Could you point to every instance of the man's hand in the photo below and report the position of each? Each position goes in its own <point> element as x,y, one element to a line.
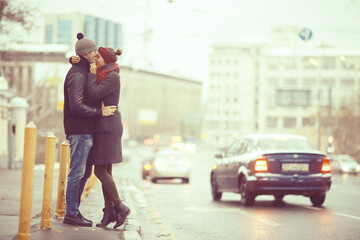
<point>93,68</point>
<point>108,110</point>
<point>75,59</point>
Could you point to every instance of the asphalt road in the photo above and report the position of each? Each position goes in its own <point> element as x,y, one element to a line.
<point>173,210</point>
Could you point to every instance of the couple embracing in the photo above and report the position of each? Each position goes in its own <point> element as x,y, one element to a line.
<point>93,127</point>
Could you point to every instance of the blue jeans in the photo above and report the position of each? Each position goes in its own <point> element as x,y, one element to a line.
<point>80,170</point>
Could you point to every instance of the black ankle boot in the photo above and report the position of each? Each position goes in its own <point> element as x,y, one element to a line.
<point>109,216</point>
<point>122,212</point>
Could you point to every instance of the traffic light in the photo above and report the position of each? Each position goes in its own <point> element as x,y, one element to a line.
<point>330,148</point>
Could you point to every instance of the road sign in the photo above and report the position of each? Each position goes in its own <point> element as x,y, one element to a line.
<point>305,34</point>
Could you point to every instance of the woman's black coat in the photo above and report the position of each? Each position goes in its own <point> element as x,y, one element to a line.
<point>107,147</point>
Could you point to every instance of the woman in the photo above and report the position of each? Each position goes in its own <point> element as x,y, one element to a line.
<point>104,85</point>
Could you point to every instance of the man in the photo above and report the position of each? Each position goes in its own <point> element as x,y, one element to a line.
<point>79,120</point>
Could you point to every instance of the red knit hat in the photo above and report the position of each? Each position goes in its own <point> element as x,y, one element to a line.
<point>106,55</point>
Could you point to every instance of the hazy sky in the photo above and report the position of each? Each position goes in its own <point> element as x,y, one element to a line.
<point>182,31</point>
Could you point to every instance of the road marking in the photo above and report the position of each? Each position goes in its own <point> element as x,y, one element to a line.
<point>232,210</point>
<point>313,208</point>
<point>347,192</point>
<point>347,215</point>
<point>336,213</point>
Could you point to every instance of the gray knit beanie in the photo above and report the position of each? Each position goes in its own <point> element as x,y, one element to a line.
<point>84,45</point>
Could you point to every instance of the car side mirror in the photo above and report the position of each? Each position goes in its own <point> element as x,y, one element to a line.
<point>219,155</point>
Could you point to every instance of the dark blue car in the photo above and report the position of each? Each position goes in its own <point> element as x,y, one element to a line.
<point>271,164</point>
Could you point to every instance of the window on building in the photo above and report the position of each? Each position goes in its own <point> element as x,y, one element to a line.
<point>273,81</point>
<point>90,28</point>
<point>310,63</point>
<point>347,62</point>
<point>20,79</point>
<point>11,77</point>
<point>64,31</point>
<point>347,82</point>
<point>4,114</point>
<point>289,64</point>
<point>289,122</point>
<point>328,62</point>
<point>293,97</point>
<point>290,81</point>
<point>308,122</point>
<point>327,82</point>
<point>309,81</point>
<point>272,65</point>
<point>49,33</point>
<point>271,122</point>
<point>29,82</point>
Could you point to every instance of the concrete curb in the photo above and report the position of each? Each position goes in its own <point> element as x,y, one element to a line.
<point>132,228</point>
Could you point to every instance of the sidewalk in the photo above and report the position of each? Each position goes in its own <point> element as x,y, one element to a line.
<point>91,208</point>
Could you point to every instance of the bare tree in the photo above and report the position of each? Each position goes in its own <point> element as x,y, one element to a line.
<point>16,16</point>
<point>346,128</point>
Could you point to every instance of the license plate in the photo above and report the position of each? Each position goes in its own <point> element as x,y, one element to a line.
<point>296,167</point>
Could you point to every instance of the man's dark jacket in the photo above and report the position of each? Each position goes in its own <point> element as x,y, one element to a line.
<point>79,112</point>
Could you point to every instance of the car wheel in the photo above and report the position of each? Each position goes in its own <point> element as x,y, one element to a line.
<point>214,189</point>
<point>154,180</point>
<point>317,199</point>
<point>185,180</point>
<point>279,198</point>
<point>247,198</point>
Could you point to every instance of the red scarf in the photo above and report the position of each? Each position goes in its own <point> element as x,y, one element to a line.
<point>104,70</point>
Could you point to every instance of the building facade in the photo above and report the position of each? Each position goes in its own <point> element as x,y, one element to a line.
<point>63,28</point>
<point>233,88</point>
<point>299,87</point>
<point>272,89</point>
<point>150,102</point>
<point>153,103</point>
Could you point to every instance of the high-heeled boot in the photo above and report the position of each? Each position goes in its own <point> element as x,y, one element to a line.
<point>122,212</point>
<point>109,216</point>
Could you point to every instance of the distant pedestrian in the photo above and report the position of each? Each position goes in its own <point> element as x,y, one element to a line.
<point>104,86</point>
<point>80,113</point>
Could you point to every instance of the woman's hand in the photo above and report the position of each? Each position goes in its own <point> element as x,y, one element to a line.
<point>108,110</point>
<point>75,59</point>
<point>93,68</point>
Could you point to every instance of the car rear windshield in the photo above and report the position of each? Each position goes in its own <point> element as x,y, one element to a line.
<point>284,143</point>
<point>170,156</point>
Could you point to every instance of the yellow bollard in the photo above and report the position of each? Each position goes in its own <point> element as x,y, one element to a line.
<point>27,182</point>
<point>48,181</point>
<point>60,203</point>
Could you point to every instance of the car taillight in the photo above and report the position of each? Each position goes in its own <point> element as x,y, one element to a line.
<point>325,168</point>
<point>261,165</point>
